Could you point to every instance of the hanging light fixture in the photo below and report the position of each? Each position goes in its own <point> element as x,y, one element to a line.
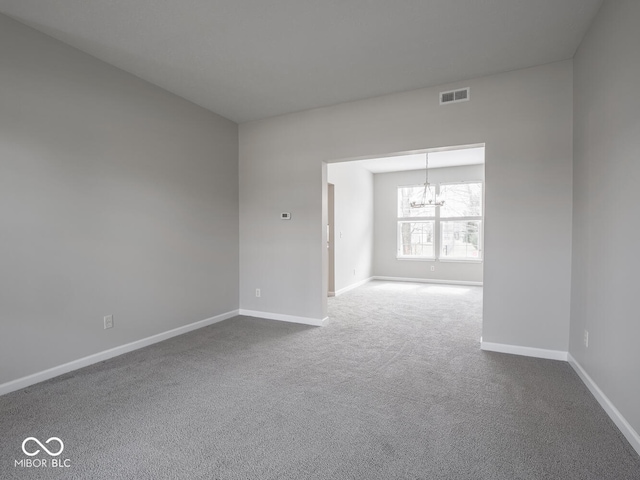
<point>429,198</point>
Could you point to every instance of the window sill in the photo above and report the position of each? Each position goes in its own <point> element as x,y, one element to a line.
<point>442,260</point>
<point>416,259</point>
<point>459,260</point>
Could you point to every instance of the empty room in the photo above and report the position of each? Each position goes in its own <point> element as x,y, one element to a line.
<point>319,240</point>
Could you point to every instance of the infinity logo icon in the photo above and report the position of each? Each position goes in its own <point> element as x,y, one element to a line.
<point>31,454</point>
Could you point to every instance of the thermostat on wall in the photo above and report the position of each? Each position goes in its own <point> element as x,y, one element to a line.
<point>285,216</point>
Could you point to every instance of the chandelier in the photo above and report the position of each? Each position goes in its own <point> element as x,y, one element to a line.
<point>429,198</point>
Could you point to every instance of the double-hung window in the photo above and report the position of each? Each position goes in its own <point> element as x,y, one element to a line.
<point>461,221</point>
<point>450,232</point>
<point>416,226</point>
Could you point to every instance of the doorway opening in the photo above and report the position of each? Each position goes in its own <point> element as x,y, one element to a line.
<point>381,228</point>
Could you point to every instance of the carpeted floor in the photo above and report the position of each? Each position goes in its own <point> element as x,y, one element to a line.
<point>393,387</point>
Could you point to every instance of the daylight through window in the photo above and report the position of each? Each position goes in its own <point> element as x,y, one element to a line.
<point>450,232</point>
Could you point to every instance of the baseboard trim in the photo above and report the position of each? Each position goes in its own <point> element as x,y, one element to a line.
<point>524,351</point>
<point>625,427</point>
<point>426,280</point>
<point>315,322</point>
<point>331,294</point>
<point>34,378</point>
<point>352,286</point>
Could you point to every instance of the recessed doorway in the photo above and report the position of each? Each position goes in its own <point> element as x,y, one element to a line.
<point>385,225</point>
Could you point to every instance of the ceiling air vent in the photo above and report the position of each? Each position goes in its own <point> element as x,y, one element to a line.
<point>454,96</point>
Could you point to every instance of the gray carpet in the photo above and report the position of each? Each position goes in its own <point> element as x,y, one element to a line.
<point>393,387</point>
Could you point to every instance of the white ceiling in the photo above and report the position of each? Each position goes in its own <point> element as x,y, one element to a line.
<point>438,159</point>
<point>251,59</point>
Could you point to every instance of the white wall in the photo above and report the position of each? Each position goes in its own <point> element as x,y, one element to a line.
<point>116,197</point>
<point>354,218</point>
<point>386,263</point>
<point>606,231</point>
<point>525,119</point>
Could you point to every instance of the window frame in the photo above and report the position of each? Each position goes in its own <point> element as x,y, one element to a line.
<point>399,254</point>
<point>477,259</point>
<point>437,220</point>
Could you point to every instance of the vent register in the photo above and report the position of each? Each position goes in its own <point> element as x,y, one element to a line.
<point>454,96</point>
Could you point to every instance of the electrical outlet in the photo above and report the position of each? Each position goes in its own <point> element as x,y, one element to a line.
<point>108,321</point>
<point>433,268</point>
<point>586,338</point>
<point>257,292</point>
<point>354,271</point>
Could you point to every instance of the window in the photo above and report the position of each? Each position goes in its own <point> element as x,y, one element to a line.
<point>460,239</point>
<point>450,232</point>
<point>416,238</point>
<point>461,221</point>
<point>461,200</point>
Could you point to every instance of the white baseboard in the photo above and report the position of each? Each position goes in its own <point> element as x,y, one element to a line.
<point>623,425</point>
<point>627,430</point>
<point>426,280</point>
<point>316,322</point>
<point>29,380</point>
<point>524,351</point>
<point>352,286</point>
